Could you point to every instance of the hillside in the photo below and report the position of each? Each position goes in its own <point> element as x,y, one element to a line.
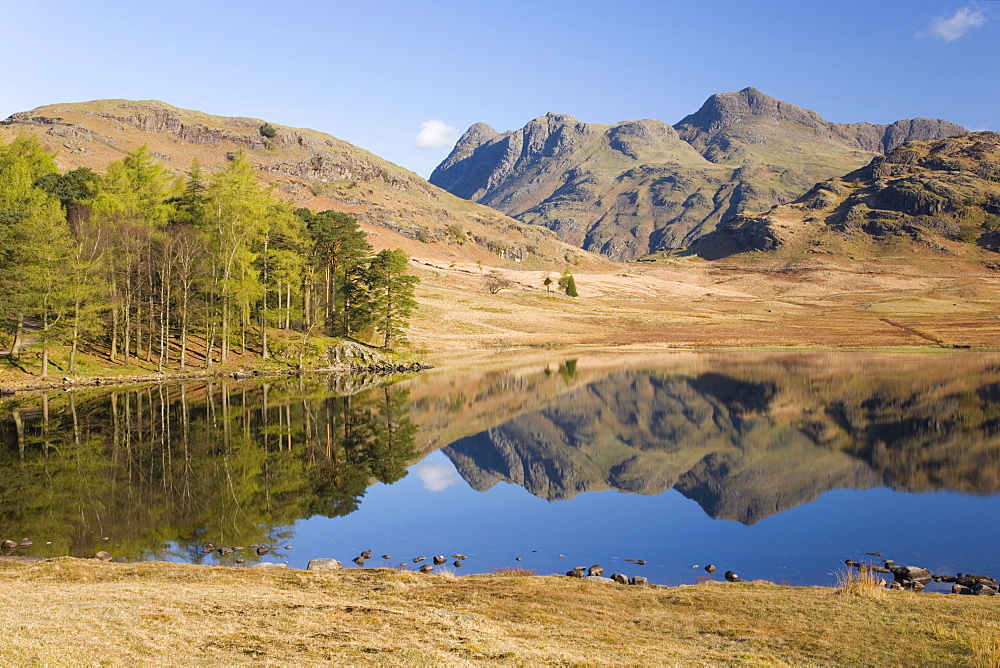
<point>934,199</point>
<point>396,207</point>
<point>627,189</point>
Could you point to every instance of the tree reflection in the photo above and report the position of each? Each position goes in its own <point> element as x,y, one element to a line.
<point>159,471</point>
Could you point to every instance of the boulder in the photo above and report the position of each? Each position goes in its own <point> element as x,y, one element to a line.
<point>25,543</point>
<point>323,564</point>
<point>8,544</point>
<point>710,568</point>
<point>639,580</point>
<point>426,568</point>
<point>596,570</point>
<point>269,564</point>
<point>598,578</point>
<point>103,556</point>
<point>575,573</point>
<point>983,589</point>
<point>732,577</point>
<point>960,589</point>
<point>620,578</point>
<point>439,560</point>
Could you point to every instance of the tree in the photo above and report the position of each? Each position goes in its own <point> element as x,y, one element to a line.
<point>35,244</point>
<point>494,282</point>
<point>237,209</point>
<point>567,283</point>
<point>547,283</point>
<point>391,295</point>
<point>339,246</point>
<point>268,131</point>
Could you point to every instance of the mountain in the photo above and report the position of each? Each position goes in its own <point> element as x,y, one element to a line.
<point>396,207</point>
<point>634,187</point>
<point>931,197</point>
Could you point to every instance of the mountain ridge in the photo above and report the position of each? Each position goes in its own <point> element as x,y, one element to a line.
<point>634,187</point>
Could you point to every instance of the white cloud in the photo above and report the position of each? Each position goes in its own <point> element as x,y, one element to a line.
<point>436,477</point>
<point>435,134</point>
<point>950,29</point>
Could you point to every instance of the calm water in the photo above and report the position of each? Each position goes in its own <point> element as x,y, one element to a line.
<point>774,466</point>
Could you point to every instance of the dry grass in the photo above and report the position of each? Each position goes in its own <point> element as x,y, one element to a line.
<point>77,611</point>
<point>861,585</point>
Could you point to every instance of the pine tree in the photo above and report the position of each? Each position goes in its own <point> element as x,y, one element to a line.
<point>567,283</point>
<point>391,294</point>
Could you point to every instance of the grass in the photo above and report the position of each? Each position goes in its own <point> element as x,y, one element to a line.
<point>79,611</point>
<point>861,585</point>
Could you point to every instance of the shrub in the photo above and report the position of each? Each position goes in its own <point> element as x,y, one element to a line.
<point>268,130</point>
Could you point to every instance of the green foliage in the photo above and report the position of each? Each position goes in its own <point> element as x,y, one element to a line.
<point>390,295</point>
<point>73,187</point>
<point>268,131</point>
<point>138,261</point>
<point>567,283</point>
<point>992,223</point>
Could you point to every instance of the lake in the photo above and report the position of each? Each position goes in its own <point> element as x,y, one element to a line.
<point>777,466</point>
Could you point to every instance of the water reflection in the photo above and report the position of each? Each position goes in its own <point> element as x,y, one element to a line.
<point>752,437</point>
<point>159,471</point>
<point>816,457</point>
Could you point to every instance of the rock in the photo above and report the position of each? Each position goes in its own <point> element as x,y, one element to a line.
<point>359,561</point>
<point>595,571</point>
<point>732,577</point>
<point>387,557</point>
<point>457,563</point>
<point>367,554</point>
<point>639,562</point>
<point>417,560</point>
<point>208,548</point>
<point>426,568</point>
<point>25,543</point>
<point>575,573</point>
<point>241,375</point>
<point>323,564</point>
<point>959,589</point>
<point>103,556</point>
<point>438,560</point>
<point>710,568</point>
<point>8,544</point>
<point>851,563</point>
<point>983,589</point>
<point>225,550</point>
<point>599,578</point>
<point>269,564</point>
<point>262,550</point>
<point>895,586</point>
<point>943,578</point>
<point>914,573</point>
<point>7,391</point>
<point>639,580</point>
<point>620,578</point>
<point>459,556</point>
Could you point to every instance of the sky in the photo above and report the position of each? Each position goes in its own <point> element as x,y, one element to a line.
<point>404,79</point>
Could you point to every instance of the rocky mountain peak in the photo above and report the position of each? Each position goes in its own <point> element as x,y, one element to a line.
<point>723,110</point>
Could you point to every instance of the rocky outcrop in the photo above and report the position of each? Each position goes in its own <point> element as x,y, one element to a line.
<point>631,188</point>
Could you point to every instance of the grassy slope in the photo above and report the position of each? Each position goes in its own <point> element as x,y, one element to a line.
<point>85,612</point>
<point>396,207</point>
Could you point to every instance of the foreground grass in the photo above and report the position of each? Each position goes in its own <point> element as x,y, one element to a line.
<point>79,611</point>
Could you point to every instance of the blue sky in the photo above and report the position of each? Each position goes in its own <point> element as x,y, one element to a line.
<point>373,73</point>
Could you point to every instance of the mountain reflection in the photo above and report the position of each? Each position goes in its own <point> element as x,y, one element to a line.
<point>748,438</point>
<point>159,471</point>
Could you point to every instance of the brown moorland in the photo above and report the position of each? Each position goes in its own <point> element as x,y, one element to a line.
<point>81,611</point>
